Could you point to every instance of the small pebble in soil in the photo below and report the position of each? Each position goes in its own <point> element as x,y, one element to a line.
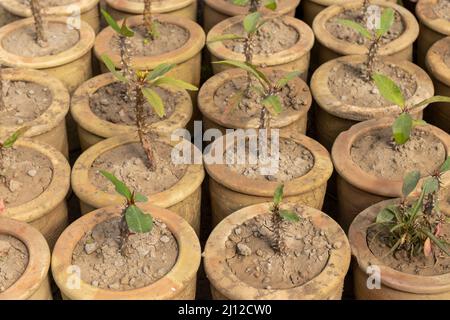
<point>243,249</point>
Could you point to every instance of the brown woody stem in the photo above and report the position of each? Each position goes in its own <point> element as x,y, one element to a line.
<point>369,65</point>
<point>39,23</point>
<point>140,124</point>
<point>148,18</point>
<point>254,5</point>
<point>125,64</point>
<point>279,242</point>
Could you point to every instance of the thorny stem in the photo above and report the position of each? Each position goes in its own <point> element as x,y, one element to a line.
<point>125,64</point>
<point>148,18</point>
<point>140,124</point>
<point>124,232</point>
<point>279,241</point>
<point>248,52</point>
<point>39,24</point>
<point>254,5</point>
<point>369,65</point>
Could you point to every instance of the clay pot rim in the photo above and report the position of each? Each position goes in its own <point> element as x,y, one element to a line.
<point>435,62</point>
<point>135,7</point>
<point>89,121</point>
<point>220,275</point>
<point>206,102</point>
<point>344,48</point>
<point>91,195</point>
<point>193,45</point>
<point>38,259</point>
<point>317,176</point>
<point>439,25</point>
<point>56,191</point>
<point>298,50</point>
<point>184,270</point>
<point>353,174</point>
<point>331,104</point>
<point>82,47</point>
<point>230,9</point>
<point>390,277</point>
<point>56,111</point>
<point>20,9</point>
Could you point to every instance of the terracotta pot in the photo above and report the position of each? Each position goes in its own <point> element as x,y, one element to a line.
<point>50,127</point>
<point>187,57</point>
<point>47,212</point>
<point>34,283</point>
<point>230,191</point>
<point>182,198</point>
<point>439,113</point>
<point>5,16</point>
<point>178,284</point>
<point>294,58</point>
<point>86,9</point>
<point>225,285</point>
<point>120,9</point>
<point>292,122</point>
<point>432,28</point>
<point>93,129</point>
<point>357,189</point>
<point>330,47</point>
<point>216,11</point>
<point>334,116</point>
<point>72,66</point>
<point>395,285</point>
<point>311,8</point>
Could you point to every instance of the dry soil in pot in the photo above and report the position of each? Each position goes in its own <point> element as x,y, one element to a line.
<point>13,260</point>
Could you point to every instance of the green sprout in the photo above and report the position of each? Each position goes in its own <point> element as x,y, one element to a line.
<point>133,219</point>
<point>11,140</point>
<point>404,123</point>
<point>386,20</point>
<point>279,219</point>
<point>416,223</point>
<point>256,4</point>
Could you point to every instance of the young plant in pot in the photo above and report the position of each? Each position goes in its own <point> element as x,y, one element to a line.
<point>405,239</point>
<point>404,144</point>
<point>103,106</point>
<point>255,253</point>
<point>255,5</point>
<point>128,252</point>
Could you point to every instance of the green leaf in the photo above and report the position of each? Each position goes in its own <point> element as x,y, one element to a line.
<point>288,77</point>
<point>278,195</point>
<point>138,221</point>
<point>357,27</point>
<point>112,68</point>
<point>273,104</point>
<point>401,129</point>
<point>155,101</point>
<point>159,71</point>
<point>430,185</point>
<point>410,182</point>
<point>289,216</point>
<point>445,166</point>
<point>9,142</point>
<point>432,100</point>
<point>251,22</point>
<point>125,31</point>
<point>271,4</point>
<point>140,197</point>
<point>436,241</point>
<point>120,186</point>
<point>389,90</point>
<point>419,122</point>
<point>228,36</point>
<point>247,67</point>
<point>111,22</point>
<point>176,83</point>
<point>386,21</point>
<point>385,216</point>
<point>241,2</point>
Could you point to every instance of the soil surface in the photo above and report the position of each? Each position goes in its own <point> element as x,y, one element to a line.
<point>50,3</point>
<point>171,37</point>
<point>441,9</point>
<point>251,257</point>
<point>435,264</point>
<point>111,103</point>
<point>347,84</point>
<point>129,164</point>
<point>274,36</point>
<point>294,161</point>
<point>24,175</point>
<point>376,153</point>
<point>13,260</point>
<point>24,102</point>
<point>146,257</point>
<point>347,34</point>
<point>234,101</point>
<point>22,42</point>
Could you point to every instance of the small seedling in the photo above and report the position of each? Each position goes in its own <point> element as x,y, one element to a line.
<point>374,37</point>
<point>266,89</point>
<point>133,219</point>
<point>256,4</point>
<point>414,225</point>
<point>404,123</point>
<point>39,23</point>
<point>11,140</point>
<point>279,219</point>
<point>150,24</point>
